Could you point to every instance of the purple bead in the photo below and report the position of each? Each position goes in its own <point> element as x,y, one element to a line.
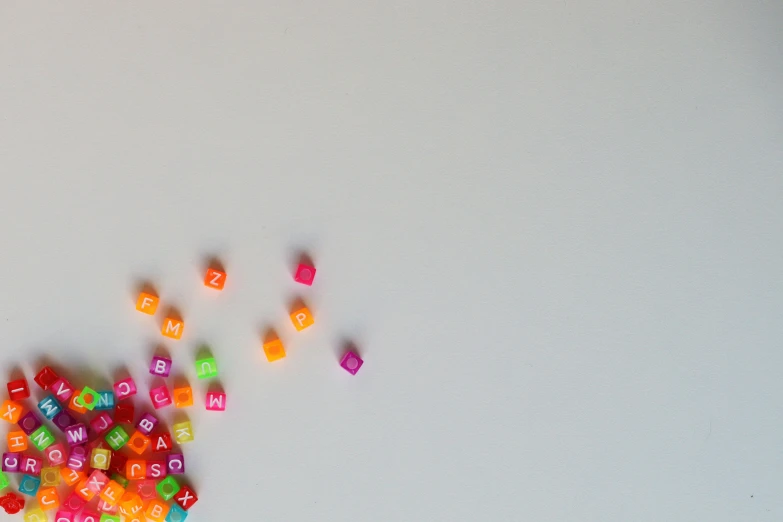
<point>146,424</point>
<point>351,362</point>
<point>175,462</point>
<point>11,462</point>
<point>63,420</point>
<point>160,366</point>
<point>78,459</point>
<point>29,422</point>
<point>76,434</point>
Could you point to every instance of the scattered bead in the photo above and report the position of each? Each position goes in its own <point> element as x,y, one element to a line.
<point>186,498</point>
<point>76,434</point>
<point>112,493</point>
<point>49,407</point>
<point>124,413</point>
<point>147,303</point>
<point>50,477</point>
<point>17,441</point>
<point>160,397</point>
<point>106,400</point>
<point>160,366</point>
<point>55,454</point>
<point>206,367</point>
<point>157,510</point>
<point>100,459</point>
<point>302,318</point>
<point>75,404</point>
<point>29,422</point>
<point>305,274</point>
<point>46,377</point>
<point>124,388</point>
<point>157,469</point>
<point>167,488</point>
<point>18,390</point>
<point>183,397</point>
<point>30,465</point>
<point>215,279</point>
<point>147,423</point>
<point>101,423</point>
<point>183,432</point>
<point>90,398</point>
<point>71,477</point>
<point>351,362</point>
<point>216,401</point>
<point>29,485</point>
<point>63,420</point>
<point>62,390</point>
<point>117,438</point>
<point>161,442</point>
<point>11,411</point>
<point>173,328</point>
<point>274,350</point>
<point>48,498</point>
<point>175,464</point>
<point>136,469</point>
<point>11,462</point>
<point>138,443</point>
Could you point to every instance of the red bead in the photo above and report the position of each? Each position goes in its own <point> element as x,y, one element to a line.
<point>124,412</point>
<point>46,377</point>
<point>186,498</point>
<point>118,462</point>
<point>18,390</point>
<point>305,274</point>
<point>161,442</point>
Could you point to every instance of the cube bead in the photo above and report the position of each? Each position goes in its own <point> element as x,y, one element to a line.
<point>49,407</point>
<point>138,443</point>
<point>302,318</point>
<point>48,498</point>
<point>35,515</point>
<point>160,397</point>
<point>167,488</point>
<point>172,328</point>
<point>136,469</point>
<point>119,479</point>
<point>90,398</point>
<point>108,517</point>
<point>75,404</point>
<point>216,401</point>
<point>305,274</point>
<point>106,400</point>
<point>73,502</point>
<point>71,477</point>
<point>97,481</point>
<point>46,377</point>
<point>28,485</point>
<point>100,459</point>
<point>76,434</point>
<point>146,489</point>
<point>118,462</point>
<point>125,388</point>
<point>62,390</point>
<point>157,510</point>
<point>17,441</point>
<point>147,423</point>
<point>215,279</point>
<point>50,477</point>
<point>131,504</point>
<point>177,514</point>
<point>30,465</point>
<point>175,462</point>
<point>186,498</point>
<point>351,362</point>
<point>55,454</point>
<point>117,438</point>
<point>183,397</point>
<point>157,469</point>
<point>206,368</point>
<point>161,442</point>
<point>29,422</point>
<point>11,462</point>
<point>11,411</point>
<point>18,390</point>
<point>102,423</point>
<point>65,515</point>
<point>274,350</point>
<point>183,432</point>
<point>112,493</point>
<point>63,420</point>
<point>84,491</point>
<point>147,303</point>
<point>77,460</point>
<point>160,366</point>
<point>124,413</point>
<point>4,482</point>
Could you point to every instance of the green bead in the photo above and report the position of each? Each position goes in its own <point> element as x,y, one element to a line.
<point>167,488</point>
<point>117,438</point>
<point>4,483</point>
<point>42,438</point>
<point>206,367</point>
<point>105,517</point>
<point>119,479</point>
<point>90,398</point>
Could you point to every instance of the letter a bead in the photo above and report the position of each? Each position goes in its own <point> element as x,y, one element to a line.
<point>147,303</point>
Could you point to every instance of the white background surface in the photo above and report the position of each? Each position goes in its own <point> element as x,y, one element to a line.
<point>552,228</point>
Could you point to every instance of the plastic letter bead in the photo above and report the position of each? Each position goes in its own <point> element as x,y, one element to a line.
<point>274,350</point>
<point>35,515</point>
<point>89,398</point>
<point>102,423</point>
<point>147,303</point>
<point>124,413</point>
<point>177,514</point>
<point>138,443</point>
<point>160,366</point>
<point>77,460</point>
<point>157,469</point>
<point>65,515</point>
<point>124,388</point>
<point>112,493</point>
<point>118,461</point>
<point>131,504</point>
<point>146,424</point>
<point>183,432</point>
<point>55,455</point>
<point>172,328</point>
<point>161,442</point>
<point>62,390</point>
<point>206,368</point>
<point>90,516</point>
<point>106,517</point>
<point>29,423</point>
<point>100,459</point>
<point>50,477</point>
<point>216,401</point>
<point>302,318</point>
<point>74,502</point>
<point>175,462</point>
<point>146,489</point>
<point>42,438</point>
<point>157,510</point>
<point>46,377</point>
<point>167,488</point>
<point>351,362</point>
<point>183,397</point>
<point>215,279</point>
<point>18,389</point>
<point>106,401</point>
<point>76,434</point>
<point>97,481</point>
<point>75,404</point>
<point>136,469</point>
<point>48,498</point>
<point>304,274</point>
<point>71,477</point>
<point>11,462</point>
<point>29,485</point>
<point>17,441</point>
<point>63,420</point>
<point>117,438</point>
<point>12,411</point>
<point>84,491</point>
<point>4,482</point>
<point>160,397</point>
<point>186,498</point>
<point>31,465</point>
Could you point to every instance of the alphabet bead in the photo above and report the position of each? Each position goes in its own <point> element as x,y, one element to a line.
<point>100,459</point>
<point>29,485</point>
<point>112,493</point>
<point>146,424</point>
<point>124,388</point>
<point>48,498</point>
<point>146,489</point>
<point>84,491</point>
<point>97,481</point>
<point>302,318</point>
<point>186,498</point>
<point>50,477</point>
<point>71,477</point>
<point>183,397</point>
<point>29,422</point>
<point>305,274</point>
<point>351,362</point>
<point>119,479</point>
<point>160,397</point>
<point>30,465</point>
<point>274,350</point>
<point>136,469</point>
<point>90,398</point>
<point>62,390</point>
<point>49,407</point>
<point>18,390</point>
<point>167,488</point>
<point>63,420</point>
<point>161,442</point>
<point>76,435</point>
<point>206,367</point>
<point>175,462</point>
<point>90,516</point>
<point>106,400</point>
<point>11,411</point>
<point>75,404</point>
<point>77,460</point>
<point>147,303</point>
<point>4,482</point>
<point>215,279</point>
<point>46,377</point>
<point>117,438</point>
<point>11,462</point>
<point>35,515</point>
<point>55,454</point>
<point>124,413</point>
<point>157,510</point>
<point>17,441</point>
<point>173,328</point>
<point>216,401</point>
<point>160,366</point>
<point>101,423</point>
<point>138,443</point>
<point>74,503</point>
<point>118,463</point>
<point>177,514</point>
<point>183,432</point>
<point>157,469</point>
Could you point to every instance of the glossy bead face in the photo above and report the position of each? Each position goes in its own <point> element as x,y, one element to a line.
<point>28,485</point>
<point>175,463</point>
<point>56,455</point>
<point>215,279</point>
<point>29,422</point>
<point>183,432</point>
<point>62,390</point>
<point>351,362</point>
<point>302,318</point>
<point>183,397</point>
<point>18,390</point>
<point>97,481</point>
<point>216,401</point>
<point>186,498</point>
<point>124,413</point>
<point>76,435</point>
<point>274,350</point>
<point>206,368</point>
<point>46,377</point>
<point>124,388</point>
<point>160,397</point>
<point>30,465</point>
<point>105,400</point>
<point>50,477</point>
<point>160,366</point>
<point>161,442</point>
<point>177,514</point>
<point>89,398</point>
<point>117,438</point>
<point>102,423</point>
<point>147,423</point>
<point>48,498</point>
<point>49,407</point>
<point>157,510</point>
<point>136,469</point>
<point>11,411</point>
<point>167,488</point>
<point>305,274</point>
<point>63,420</point>
<point>11,462</point>
<point>172,328</point>
<point>100,459</point>
<point>17,441</point>
<point>147,303</point>
<point>138,443</point>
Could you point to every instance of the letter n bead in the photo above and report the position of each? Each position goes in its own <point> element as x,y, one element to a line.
<point>18,390</point>
<point>42,438</point>
<point>216,401</point>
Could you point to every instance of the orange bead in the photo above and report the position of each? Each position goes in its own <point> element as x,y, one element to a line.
<point>215,279</point>
<point>138,443</point>
<point>157,510</point>
<point>183,397</point>
<point>172,328</point>
<point>302,318</point>
<point>83,491</point>
<point>48,498</point>
<point>112,493</point>
<point>17,441</point>
<point>11,411</point>
<point>71,477</point>
<point>147,303</point>
<point>76,403</point>
<point>131,504</point>
<point>274,350</point>
<point>136,469</point>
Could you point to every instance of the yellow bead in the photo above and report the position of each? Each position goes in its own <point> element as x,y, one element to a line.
<point>183,432</point>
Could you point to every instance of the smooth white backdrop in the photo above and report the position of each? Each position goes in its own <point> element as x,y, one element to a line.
<point>552,228</point>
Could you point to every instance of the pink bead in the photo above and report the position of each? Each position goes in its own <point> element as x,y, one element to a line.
<point>76,434</point>
<point>64,516</point>
<point>56,454</point>
<point>77,459</point>
<point>160,366</point>
<point>304,274</point>
<point>30,465</point>
<point>97,481</point>
<point>74,502</point>
<point>107,508</point>
<point>216,401</point>
<point>351,362</point>
<point>160,397</point>
<point>102,423</point>
<point>62,390</point>
<point>11,462</point>
<point>146,489</point>
<point>124,388</point>
<point>146,424</point>
<point>157,469</point>
<point>88,515</point>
